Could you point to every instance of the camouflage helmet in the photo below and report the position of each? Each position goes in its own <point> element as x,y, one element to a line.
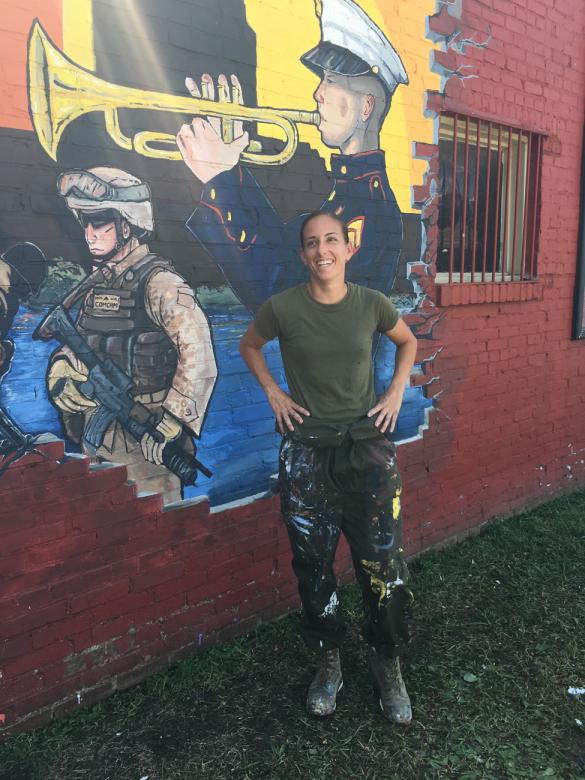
<point>99,189</point>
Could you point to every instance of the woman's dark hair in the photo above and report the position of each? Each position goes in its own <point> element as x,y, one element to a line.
<point>320,213</point>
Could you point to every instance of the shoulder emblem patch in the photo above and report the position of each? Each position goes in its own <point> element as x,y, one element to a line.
<point>355,228</point>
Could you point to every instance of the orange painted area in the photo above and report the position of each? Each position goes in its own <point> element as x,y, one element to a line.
<point>15,22</point>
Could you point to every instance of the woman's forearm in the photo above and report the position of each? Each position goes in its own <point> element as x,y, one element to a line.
<point>286,411</point>
<point>254,359</point>
<point>403,362</point>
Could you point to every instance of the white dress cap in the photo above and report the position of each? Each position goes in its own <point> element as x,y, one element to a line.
<point>345,25</point>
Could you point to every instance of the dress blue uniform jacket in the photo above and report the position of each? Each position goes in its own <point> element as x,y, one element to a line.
<point>258,252</point>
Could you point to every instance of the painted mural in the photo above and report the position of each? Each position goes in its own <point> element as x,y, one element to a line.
<point>157,161</point>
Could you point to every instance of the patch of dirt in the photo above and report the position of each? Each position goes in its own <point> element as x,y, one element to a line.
<point>19,774</point>
<point>573,746</point>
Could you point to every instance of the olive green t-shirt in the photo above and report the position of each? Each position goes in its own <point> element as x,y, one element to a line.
<point>327,348</point>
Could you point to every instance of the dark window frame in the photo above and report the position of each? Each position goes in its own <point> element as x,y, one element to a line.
<point>500,241</point>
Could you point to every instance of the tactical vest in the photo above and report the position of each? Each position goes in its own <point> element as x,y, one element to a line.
<point>114,322</point>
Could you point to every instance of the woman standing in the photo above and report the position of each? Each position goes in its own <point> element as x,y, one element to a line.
<point>337,466</point>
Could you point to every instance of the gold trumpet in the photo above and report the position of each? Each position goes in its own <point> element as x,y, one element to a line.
<point>60,91</point>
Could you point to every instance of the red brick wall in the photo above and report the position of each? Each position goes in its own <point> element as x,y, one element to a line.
<point>508,432</point>
<point>101,588</point>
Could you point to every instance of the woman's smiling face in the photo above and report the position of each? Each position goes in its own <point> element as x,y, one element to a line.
<point>325,250</point>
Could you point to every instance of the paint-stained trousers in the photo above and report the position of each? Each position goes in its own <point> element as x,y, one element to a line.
<point>352,488</point>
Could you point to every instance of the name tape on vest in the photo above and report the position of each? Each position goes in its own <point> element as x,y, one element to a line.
<point>105,302</point>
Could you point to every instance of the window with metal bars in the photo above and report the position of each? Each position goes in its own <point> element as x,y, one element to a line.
<point>488,211</point>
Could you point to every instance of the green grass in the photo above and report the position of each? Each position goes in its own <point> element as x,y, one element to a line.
<point>499,637</point>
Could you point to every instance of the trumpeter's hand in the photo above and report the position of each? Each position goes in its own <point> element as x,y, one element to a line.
<point>205,148</point>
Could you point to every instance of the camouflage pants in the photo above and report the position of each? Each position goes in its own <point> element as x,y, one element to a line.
<point>149,477</point>
<point>120,447</point>
<point>352,488</point>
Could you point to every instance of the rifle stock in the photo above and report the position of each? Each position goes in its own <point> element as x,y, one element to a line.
<point>14,443</point>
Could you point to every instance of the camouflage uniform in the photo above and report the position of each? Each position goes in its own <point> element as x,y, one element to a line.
<point>169,302</point>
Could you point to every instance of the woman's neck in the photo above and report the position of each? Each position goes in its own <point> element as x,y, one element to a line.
<point>332,292</point>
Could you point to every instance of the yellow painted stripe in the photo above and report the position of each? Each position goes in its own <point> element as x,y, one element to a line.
<point>78,32</point>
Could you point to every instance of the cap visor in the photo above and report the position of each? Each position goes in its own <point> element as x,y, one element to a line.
<point>328,56</point>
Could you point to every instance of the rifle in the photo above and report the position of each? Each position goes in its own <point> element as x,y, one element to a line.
<point>110,387</point>
<point>14,443</point>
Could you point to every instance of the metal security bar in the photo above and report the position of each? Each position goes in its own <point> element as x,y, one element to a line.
<point>488,211</point>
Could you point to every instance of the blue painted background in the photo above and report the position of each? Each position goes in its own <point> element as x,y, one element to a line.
<point>239,443</point>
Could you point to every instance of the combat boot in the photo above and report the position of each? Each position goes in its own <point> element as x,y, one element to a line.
<point>390,688</point>
<point>325,685</point>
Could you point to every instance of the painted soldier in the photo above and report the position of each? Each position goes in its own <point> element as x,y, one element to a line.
<point>235,221</point>
<point>23,269</point>
<point>137,311</point>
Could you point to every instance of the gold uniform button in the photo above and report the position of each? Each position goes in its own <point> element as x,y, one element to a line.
<point>229,216</point>
<point>212,193</point>
<point>343,169</point>
<point>375,69</point>
<point>331,196</point>
<point>242,236</point>
<point>376,183</point>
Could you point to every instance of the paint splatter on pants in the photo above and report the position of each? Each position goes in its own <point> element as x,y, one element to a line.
<point>352,488</point>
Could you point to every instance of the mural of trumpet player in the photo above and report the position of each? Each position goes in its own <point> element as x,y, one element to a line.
<point>139,313</point>
<point>359,71</point>
<point>100,97</point>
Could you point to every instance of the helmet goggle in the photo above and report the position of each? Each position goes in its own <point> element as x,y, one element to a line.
<point>97,218</point>
<point>84,184</point>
